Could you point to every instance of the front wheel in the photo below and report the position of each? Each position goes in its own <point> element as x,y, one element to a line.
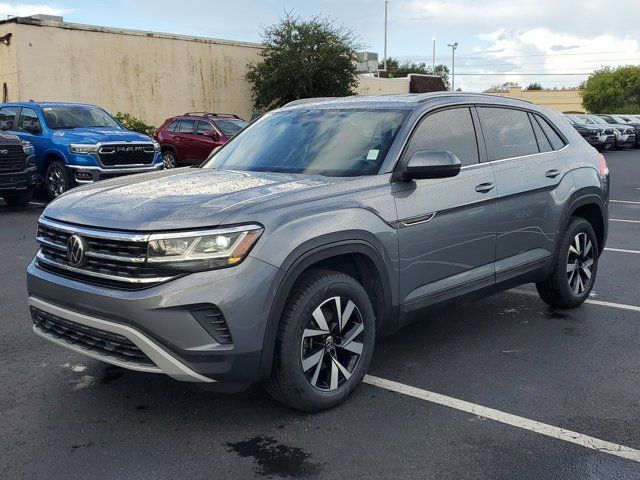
<point>575,267</point>
<point>325,342</point>
<point>169,159</point>
<point>57,179</point>
<point>19,199</point>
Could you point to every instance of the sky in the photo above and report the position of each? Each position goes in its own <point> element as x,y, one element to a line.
<point>554,42</point>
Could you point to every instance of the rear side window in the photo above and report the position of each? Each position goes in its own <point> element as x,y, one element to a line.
<point>186,126</point>
<point>450,130</point>
<point>507,133</point>
<point>543,141</point>
<point>556,141</point>
<point>28,120</point>
<point>8,117</point>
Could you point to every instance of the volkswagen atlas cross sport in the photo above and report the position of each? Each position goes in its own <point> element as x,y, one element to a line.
<point>317,228</point>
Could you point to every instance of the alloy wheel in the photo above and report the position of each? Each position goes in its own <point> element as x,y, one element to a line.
<point>580,263</point>
<point>55,181</point>
<point>332,343</point>
<point>169,160</point>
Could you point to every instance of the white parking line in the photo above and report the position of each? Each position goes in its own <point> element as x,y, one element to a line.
<point>621,250</point>
<point>623,220</point>
<point>625,201</point>
<point>507,418</point>
<point>621,306</point>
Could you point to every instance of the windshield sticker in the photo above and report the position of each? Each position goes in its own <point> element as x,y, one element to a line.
<point>373,154</point>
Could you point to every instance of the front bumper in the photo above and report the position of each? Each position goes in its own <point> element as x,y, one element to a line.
<point>160,322</point>
<point>17,182</point>
<point>89,174</point>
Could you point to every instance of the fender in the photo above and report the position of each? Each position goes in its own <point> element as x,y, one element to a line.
<point>313,251</point>
<point>586,196</point>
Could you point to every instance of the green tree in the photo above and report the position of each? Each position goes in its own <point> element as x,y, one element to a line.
<point>130,122</point>
<point>396,69</point>
<point>535,86</point>
<point>612,90</point>
<point>503,87</point>
<point>303,59</point>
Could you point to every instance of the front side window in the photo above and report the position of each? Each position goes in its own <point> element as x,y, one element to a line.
<point>507,133</point>
<point>8,117</point>
<point>230,126</point>
<point>28,120</point>
<point>450,130</point>
<point>61,117</point>
<point>205,128</point>
<point>186,126</point>
<point>335,142</point>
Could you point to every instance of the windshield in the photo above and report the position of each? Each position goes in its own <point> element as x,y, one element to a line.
<point>339,143</point>
<point>230,126</point>
<point>77,116</point>
<point>593,119</point>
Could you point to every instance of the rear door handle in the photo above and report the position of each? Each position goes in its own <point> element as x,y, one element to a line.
<point>484,187</point>
<point>552,173</point>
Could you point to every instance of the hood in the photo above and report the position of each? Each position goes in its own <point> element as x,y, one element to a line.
<point>183,198</point>
<point>97,135</point>
<point>9,139</point>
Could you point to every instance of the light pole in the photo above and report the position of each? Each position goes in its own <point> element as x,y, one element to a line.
<point>433,57</point>
<point>453,64</point>
<point>386,3</point>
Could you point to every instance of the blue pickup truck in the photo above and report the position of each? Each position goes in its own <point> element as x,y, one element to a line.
<point>77,143</point>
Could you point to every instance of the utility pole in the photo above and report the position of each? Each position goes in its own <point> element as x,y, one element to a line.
<point>453,64</point>
<point>386,3</point>
<point>433,57</point>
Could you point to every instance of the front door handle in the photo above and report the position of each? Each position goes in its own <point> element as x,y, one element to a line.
<point>484,187</point>
<point>552,173</point>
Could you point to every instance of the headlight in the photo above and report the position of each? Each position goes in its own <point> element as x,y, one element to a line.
<point>27,148</point>
<point>81,148</point>
<point>156,146</point>
<point>203,250</point>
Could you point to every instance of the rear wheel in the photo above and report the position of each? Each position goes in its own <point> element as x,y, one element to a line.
<point>57,179</point>
<point>169,159</point>
<point>325,342</point>
<point>575,267</point>
<point>19,199</point>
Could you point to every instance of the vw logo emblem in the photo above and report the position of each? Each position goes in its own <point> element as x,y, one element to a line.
<point>75,250</point>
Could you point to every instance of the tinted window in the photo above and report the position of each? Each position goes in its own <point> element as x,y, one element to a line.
<point>556,141</point>
<point>330,142</point>
<point>186,126</point>
<point>607,118</point>
<point>173,126</point>
<point>230,126</point>
<point>59,117</point>
<point>450,130</point>
<point>543,141</point>
<point>204,128</point>
<point>8,117</point>
<point>28,120</point>
<point>508,133</point>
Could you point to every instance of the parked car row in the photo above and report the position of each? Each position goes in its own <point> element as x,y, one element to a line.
<point>605,131</point>
<point>61,145</point>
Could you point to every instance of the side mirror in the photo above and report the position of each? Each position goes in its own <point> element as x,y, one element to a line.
<point>432,164</point>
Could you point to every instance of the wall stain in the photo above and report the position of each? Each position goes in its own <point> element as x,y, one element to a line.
<point>274,458</point>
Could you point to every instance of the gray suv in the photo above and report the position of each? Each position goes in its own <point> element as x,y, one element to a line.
<point>319,227</point>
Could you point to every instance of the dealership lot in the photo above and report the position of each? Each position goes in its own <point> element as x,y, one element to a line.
<point>66,416</point>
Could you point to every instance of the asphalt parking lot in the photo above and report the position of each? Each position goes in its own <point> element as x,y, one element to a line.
<point>504,388</point>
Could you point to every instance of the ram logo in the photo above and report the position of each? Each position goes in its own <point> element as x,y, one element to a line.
<point>4,151</point>
<point>130,149</point>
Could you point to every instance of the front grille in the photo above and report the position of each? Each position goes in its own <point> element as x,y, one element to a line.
<point>115,260</point>
<point>14,158</point>
<point>126,154</point>
<point>105,343</point>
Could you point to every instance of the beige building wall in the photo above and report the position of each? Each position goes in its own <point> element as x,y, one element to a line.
<point>560,100</point>
<point>152,76</point>
<point>9,79</point>
<point>368,85</point>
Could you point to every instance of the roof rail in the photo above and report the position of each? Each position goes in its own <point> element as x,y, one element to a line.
<point>209,114</point>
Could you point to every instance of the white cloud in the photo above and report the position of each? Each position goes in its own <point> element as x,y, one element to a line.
<point>26,9</point>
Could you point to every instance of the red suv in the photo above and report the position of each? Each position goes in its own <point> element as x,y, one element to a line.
<point>189,139</point>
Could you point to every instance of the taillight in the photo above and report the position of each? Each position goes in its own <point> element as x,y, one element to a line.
<point>602,166</point>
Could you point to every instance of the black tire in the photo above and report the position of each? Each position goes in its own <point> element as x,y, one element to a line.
<point>57,179</point>
<point>19,199</point>
<point>169,159</point>
<point>289,383</point>
<point>562,288</point>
